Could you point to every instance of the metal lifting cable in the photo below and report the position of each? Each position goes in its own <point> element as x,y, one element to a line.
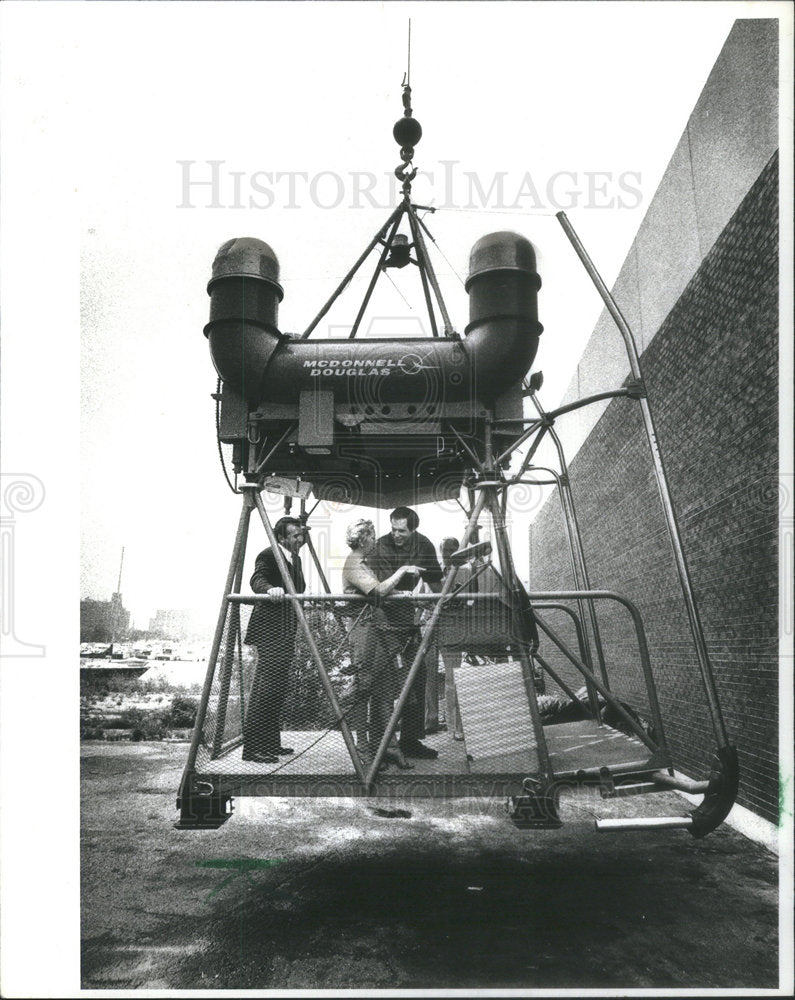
<point>408,57</point>
<point>432,238</point>
<point>411,307</point>
<point>498,211</point>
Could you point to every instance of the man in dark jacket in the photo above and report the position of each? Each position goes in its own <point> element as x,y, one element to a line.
<point>272,630</point>
<point>404,544</point>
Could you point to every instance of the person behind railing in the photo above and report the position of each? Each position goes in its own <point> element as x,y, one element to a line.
<point>404,544</point>
<point>477,617</point>
<point>272,629</point>
<point>505,624</point>
<point>374,646</point>
<point>450,657</point>
<point>450,624</point>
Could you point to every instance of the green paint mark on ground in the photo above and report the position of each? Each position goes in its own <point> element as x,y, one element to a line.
<point>784,806</point>
<point>238,866</point>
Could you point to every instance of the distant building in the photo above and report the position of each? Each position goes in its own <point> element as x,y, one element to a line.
<point>103,621</point>
<point>171,624</point>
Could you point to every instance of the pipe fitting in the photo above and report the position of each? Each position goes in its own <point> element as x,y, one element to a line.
<point>244,301</point>
<point>503,327</point>
<point>263,365</point>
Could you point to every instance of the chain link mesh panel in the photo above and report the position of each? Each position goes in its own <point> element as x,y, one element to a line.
<point>267,696</point>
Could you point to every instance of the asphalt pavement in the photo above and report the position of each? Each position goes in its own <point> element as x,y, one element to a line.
<point>431,894</point>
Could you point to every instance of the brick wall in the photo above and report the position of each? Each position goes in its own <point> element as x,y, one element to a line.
<point>711,373</point>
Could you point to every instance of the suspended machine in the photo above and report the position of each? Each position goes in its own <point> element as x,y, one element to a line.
<point>386,422</point>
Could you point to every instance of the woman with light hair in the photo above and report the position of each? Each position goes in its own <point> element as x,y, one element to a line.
<point>373,646</point>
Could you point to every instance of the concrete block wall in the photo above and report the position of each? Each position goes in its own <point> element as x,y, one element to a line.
<point>711,372</point>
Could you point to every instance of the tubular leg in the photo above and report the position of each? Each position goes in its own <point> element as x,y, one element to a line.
<point>229,654</point>
<point>420,240</point>
<point>419,246</point>
<point>696,629</point>
<point>238,551</point>
<point>347,279</point>
<point>376,273</point>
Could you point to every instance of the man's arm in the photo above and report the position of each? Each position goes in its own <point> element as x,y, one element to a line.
<point>426,557</point>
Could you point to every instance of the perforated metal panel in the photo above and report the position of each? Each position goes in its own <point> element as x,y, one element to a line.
<point>495,716</point>
<point>267,697</point>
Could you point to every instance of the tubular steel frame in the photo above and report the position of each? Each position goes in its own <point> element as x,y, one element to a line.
<point>488,488</point>
<point>696,629</point>
<point>386,237</point>
<point>205,799</point>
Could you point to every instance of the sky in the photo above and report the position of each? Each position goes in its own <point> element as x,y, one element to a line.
<point>526,109</point>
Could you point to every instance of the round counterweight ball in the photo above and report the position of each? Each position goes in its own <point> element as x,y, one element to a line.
<point>407,132</point>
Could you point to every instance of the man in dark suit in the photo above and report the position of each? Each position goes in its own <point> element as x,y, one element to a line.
<point>404,544</point>
<point>272,630</point>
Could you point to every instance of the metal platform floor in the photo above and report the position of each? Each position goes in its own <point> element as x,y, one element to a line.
<point>321,765</point>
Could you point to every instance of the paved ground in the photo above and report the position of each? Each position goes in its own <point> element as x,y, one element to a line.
<point>338,896</point>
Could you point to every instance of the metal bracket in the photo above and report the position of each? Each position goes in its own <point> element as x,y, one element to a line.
<point>537,809</point>
<point>636,388</point>
<point>608,788</point>
<point>203,807</point>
